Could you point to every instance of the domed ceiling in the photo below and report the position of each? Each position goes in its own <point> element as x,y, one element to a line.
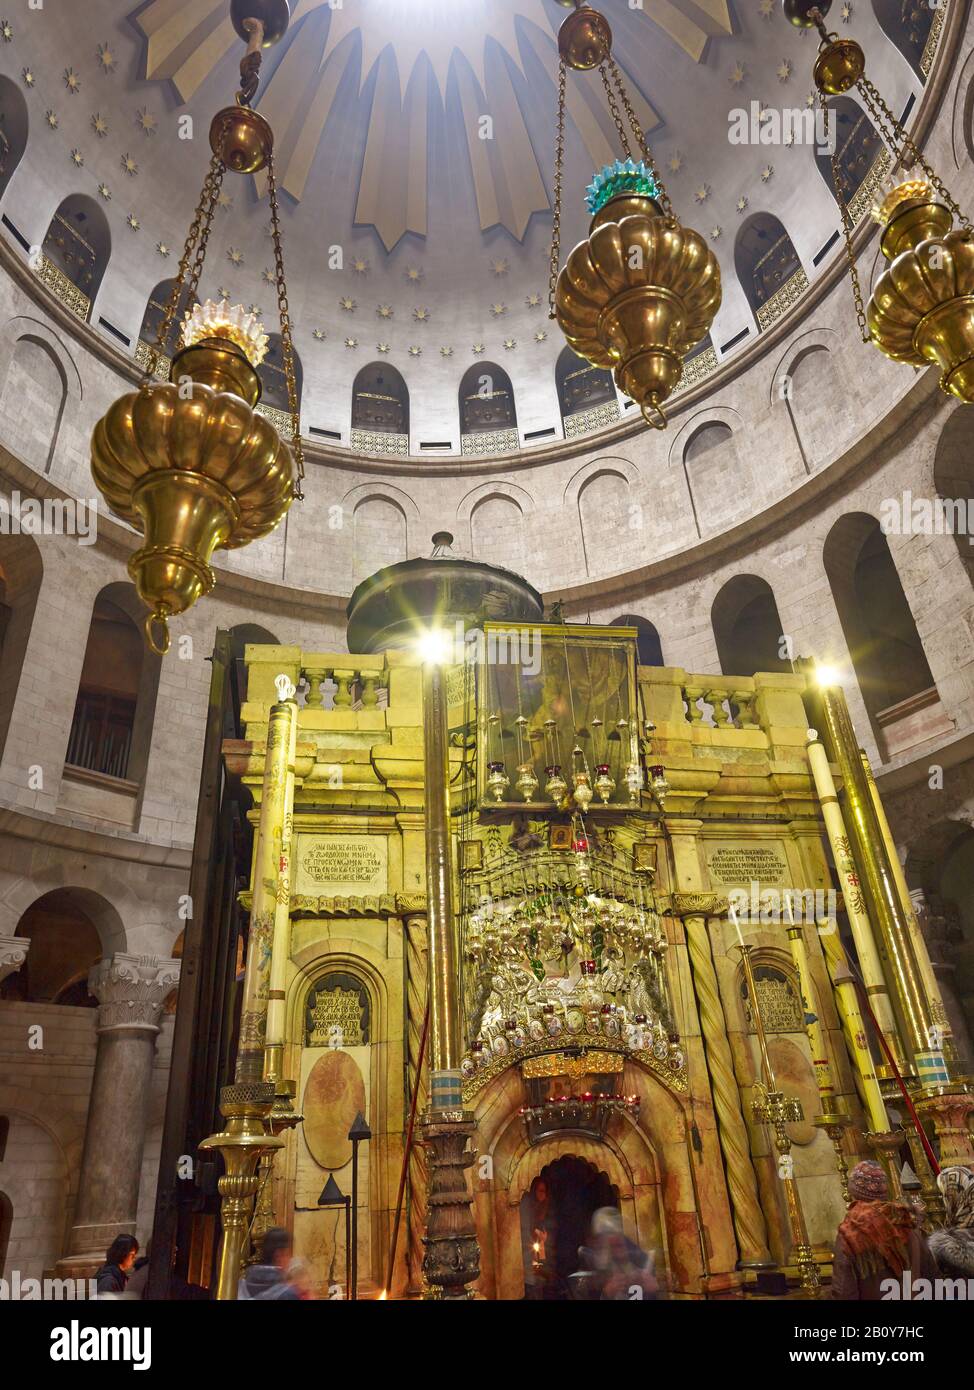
<point>415,150</point>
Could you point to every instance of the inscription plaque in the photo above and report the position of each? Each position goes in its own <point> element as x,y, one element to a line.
<point>342,865</point>
<point>740,865</point>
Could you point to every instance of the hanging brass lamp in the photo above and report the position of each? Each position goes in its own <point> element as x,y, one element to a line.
<point>190,463</point>
<point>642,290</point>
<point>922,308</point>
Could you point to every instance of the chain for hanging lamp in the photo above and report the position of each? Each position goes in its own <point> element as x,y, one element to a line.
<point>642,290</point>
<point>922,308</point>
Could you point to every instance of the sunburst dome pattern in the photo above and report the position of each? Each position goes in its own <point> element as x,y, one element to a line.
<point>404,58</point>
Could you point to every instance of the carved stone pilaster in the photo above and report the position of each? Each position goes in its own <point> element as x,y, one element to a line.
<point>13,953</point>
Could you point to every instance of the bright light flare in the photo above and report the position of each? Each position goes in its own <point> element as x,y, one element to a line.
<point>827,676</point>
<point>435,647</point>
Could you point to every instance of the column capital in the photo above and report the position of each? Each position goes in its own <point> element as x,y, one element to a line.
<point>131,989</point>
<point>13,953</point>
<point>698,904</point>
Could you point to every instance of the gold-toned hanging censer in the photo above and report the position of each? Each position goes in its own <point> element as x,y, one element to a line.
<point>189,463</point>
<point>642,290</point>
<point>922,309</point>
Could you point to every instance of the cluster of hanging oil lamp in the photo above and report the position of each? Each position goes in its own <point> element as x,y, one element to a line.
<point>922,308</point>
<point>196,470</point>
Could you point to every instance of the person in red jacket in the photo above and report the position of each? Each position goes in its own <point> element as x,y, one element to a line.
<point>878,1240</point>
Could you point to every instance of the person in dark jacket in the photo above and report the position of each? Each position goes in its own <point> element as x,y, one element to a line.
<point>114,1273</point>
<point>878,1240</point>
<point>953,1247</point>
<point>266,1282</point>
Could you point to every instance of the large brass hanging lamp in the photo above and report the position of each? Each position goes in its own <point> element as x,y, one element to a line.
<point>642,290</point>
<point>189,463</point>
<point>922,308</point>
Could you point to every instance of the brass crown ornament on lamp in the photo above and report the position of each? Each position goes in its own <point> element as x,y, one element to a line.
<point>922,308</point>
<point>642,290</point>
<point>190,463</point>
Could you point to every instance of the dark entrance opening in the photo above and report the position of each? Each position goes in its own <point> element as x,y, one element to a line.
<point>556,1219</point>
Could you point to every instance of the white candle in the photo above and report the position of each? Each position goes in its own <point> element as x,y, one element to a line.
<point>732,913</point>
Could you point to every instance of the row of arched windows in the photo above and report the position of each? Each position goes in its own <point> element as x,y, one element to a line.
<point>78,247</point>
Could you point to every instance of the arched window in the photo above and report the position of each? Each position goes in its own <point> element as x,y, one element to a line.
<point>21,572</point>
<point>706,437</point>
<point>152,320</point>
<point>13,133</point>
<point>582,389</point>
<point>273,381</point>
<point>768,267</point>
<point>747,627</point>
<point>857,147</point>
<point>649,649</point>
<point>76,252</point>
<point>112,724</point>
<point>488,418</point>
<point>908,24</point>
<point>890,663</point>
<point>380,405</point>
<point>64,945</point>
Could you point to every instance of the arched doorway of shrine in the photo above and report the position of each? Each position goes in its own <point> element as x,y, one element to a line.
<point>556,1223</point>
<point>667,1204</point>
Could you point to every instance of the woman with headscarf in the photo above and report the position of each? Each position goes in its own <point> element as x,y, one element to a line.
<point>878,1240</point>
<point>953,1247</point>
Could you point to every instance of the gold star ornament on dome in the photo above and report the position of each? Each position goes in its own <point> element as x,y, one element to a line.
<point>72,81</point>
<point>318,334</point>
<point>51,118</point>
<point>415,351</point>
<point>6,30</point>
<point>477,349</point>
<point>540,336</point>
<point>99,125</point>
<point>784,70</point>
<point>133,222</point>
<point>28,77</point>
<point>382,347</point>
<point>351,342</point>
<point>77,158</point>
<point>384,311</point>
<point>106,57</point>
<point>129,165</point>
<point>413,274</point>
<point>446,352</point>
<point>422,314</point>
<point>146,121</point>
<point>498,309</point>
<point>347,305</point>
<point>105,192</point>
<point>737,74</point>
<point>533,300</point>
<point>163,249</point>
<point>360,265</point>
<point>235,255</point>
<point>500,267</point>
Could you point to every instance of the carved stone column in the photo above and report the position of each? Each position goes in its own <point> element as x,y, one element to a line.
<point>417,988</point>
<point>13,953</point>
<point>130,991</point>
<point>749,1222</point>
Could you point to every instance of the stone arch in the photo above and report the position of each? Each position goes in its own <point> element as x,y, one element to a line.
<point>649,648</point>
<point>953,480</point>
<point>600,494</point>
<point>939,869</point>
<point>354,956</point>
<point>21,575</point>
<point>497,531</point>
<point>485,399</point>
<point>70,930</point>
<point>37,1186</point>
<point>880,631</point>
<point>380,400</point>
<point>857,146</point>
<point>908,27</point>
<point>78,244</point>
<point>747,627</point>
<point>765,259</point>
<point>111,730</point>
<point>804,379</point>
<point>14,128</point>
<point>379,535</point>
<point>35,393</point>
